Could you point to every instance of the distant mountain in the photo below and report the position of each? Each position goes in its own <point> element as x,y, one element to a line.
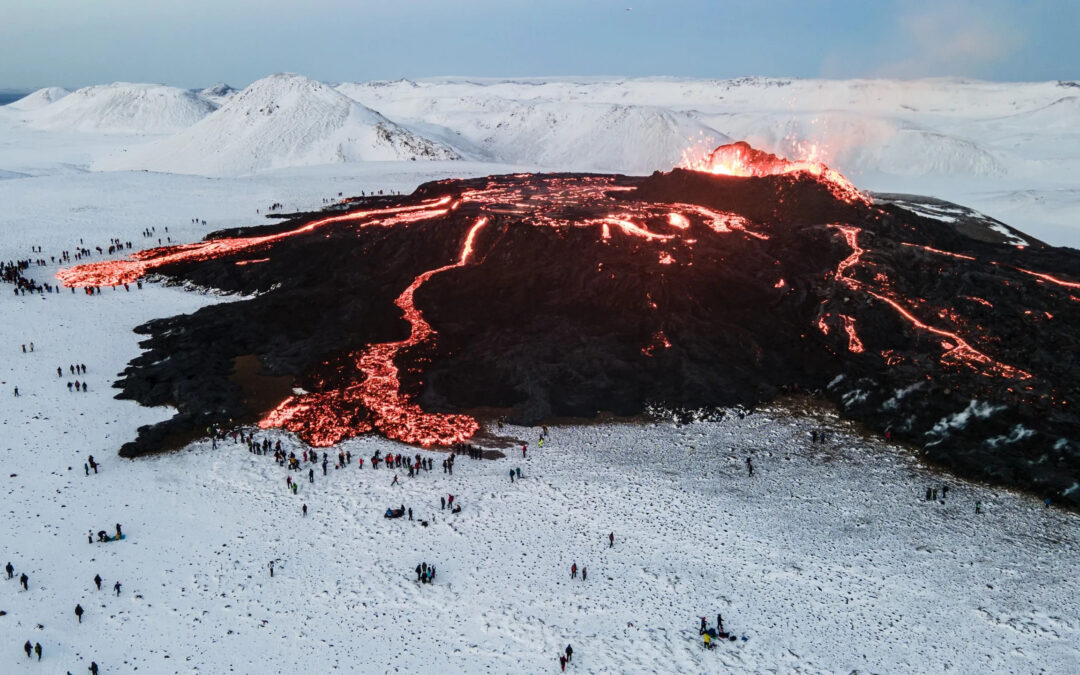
<point>217,94</point>
<point>280,121</point>
<point>576,135</point>
<point>39,99</point>
<point>123,108</point>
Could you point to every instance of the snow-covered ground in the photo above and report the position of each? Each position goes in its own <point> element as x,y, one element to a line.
<point>826,560</point>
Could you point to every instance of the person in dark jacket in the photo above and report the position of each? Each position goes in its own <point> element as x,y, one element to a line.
<point>28,648</point>
<point>97,581</point>
<point>10,570</point>
<point>23,579</point>
<point>79,612</point>
<point>569,653</point>
<point>37,650</point>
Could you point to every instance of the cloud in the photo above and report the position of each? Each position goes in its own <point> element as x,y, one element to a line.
<point>953,38</point>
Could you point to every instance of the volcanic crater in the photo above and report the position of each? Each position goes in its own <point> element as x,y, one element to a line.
<point>724,283</point>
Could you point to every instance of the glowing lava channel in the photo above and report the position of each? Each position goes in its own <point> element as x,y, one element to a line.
<point>117,272</point>
<point>395,416</point>
<point>960,351</point>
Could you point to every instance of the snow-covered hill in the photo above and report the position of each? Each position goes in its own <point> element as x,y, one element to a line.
<point>280,121</point>
<point>123,108</point>
<point>39,99</point>
<point>558,134</point>
<point>976,143</point>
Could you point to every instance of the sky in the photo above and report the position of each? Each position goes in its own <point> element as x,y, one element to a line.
<point>196,43</point>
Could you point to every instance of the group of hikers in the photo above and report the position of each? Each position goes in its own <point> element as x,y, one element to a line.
<point>35,648</point>
<point>425,573</point>
<point>710,635</point>
<point>103,536</point>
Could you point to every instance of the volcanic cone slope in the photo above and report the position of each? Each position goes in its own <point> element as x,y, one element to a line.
<point>568,294</point>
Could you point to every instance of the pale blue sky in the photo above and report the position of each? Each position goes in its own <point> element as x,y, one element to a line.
<point>193,43</point>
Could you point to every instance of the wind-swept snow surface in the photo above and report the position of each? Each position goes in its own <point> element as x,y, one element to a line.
<point>123,108</point>
<point>280,121</point>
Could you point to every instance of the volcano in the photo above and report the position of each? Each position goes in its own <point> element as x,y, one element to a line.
<point>723,283</point>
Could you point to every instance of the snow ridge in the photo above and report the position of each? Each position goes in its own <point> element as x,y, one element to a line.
<point>123,108</point>
<point>39,99</point>
<point>280,121</point>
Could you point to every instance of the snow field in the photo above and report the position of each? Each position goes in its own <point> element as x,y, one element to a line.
<point>827,559</point>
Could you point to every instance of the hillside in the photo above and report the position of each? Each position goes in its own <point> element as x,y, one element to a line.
<point>39,99</point>
<point>123,108</point>
<point>279,121</point>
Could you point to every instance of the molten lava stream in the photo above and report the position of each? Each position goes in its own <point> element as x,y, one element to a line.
<point>116,272</point>
<point>960,350</point>
<point>318,419</point>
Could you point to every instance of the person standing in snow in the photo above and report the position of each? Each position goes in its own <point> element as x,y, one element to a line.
<point>719,624</point>
<point>749,466</point>
<point>119,533</point>
<point>116,587</point>
<point>701,631</point>
<point>584,573</point>
<point>395,481</point>
<point>569,653</point>
<point>97,581</point>
<point>311,475</point>
<point>978,507</point>
<point>410,513</point>
<point>511,476</point>
<point>93,668</point>
<point>79,612</point>
<point>24,580</point>
<point>573,571</point>
<point>37,650</point>
<point>562,663</point>
<point>304,509</point>
<point>611,540</point>
<point>442,501</point>
<point>28,648</point>
<point>10,570</point>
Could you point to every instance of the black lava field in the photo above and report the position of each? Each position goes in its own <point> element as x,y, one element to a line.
<point>563,295</point>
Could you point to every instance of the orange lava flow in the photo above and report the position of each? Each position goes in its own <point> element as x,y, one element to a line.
<point>960,350</point>
<point>961,256</point>
<point>1051,279</point>
<point>855,345</point>
<point>116,272</point>
<point>395,415</point>
<point>741,160</point>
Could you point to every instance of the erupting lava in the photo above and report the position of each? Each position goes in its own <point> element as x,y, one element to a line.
<point>743,161</point>
<point>723,283</point>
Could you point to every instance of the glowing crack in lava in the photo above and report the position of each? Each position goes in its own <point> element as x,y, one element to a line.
<point>957,349</point>
<point>743,161</point>
<point>380,391</point>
